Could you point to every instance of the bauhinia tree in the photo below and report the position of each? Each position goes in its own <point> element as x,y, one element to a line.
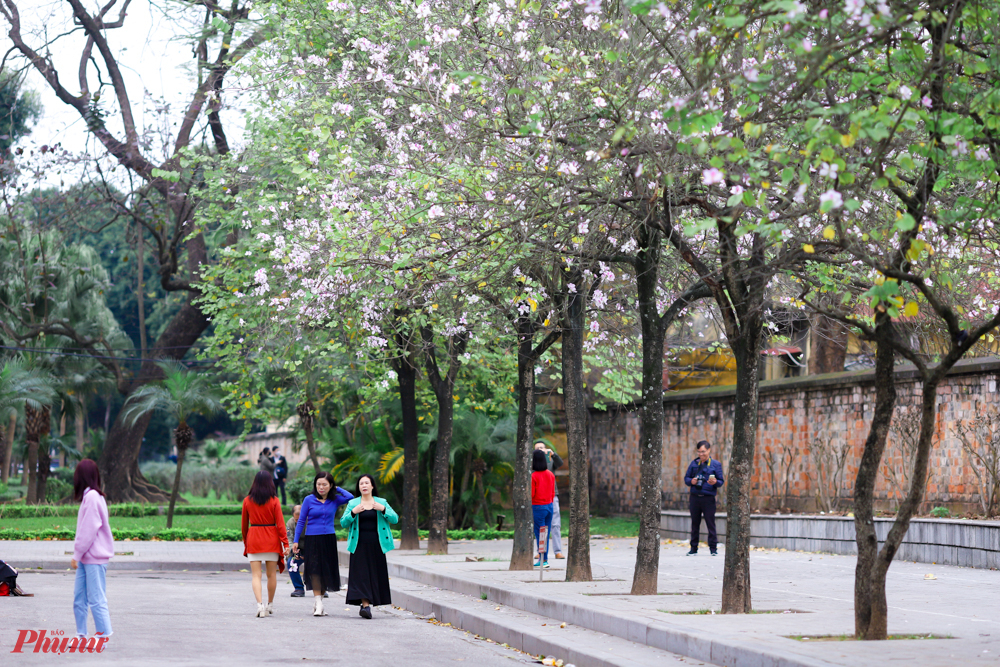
<point>909,142</point>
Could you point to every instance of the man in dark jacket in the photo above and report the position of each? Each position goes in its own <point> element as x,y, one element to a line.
<point>705,477</point>
<point>280,473</point>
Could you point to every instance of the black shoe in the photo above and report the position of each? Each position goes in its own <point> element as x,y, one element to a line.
<point>714,552</point>
<point>365,612</point>
<point>325,595</point>
<point>298,593</point>
<point>693,552</point>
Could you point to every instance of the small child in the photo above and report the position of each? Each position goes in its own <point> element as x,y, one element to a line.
<point>93,549</point>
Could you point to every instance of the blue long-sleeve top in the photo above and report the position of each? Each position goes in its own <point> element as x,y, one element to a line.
<point>321,516</point>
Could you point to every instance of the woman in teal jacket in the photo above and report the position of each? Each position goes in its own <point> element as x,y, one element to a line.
<point>369,539</point>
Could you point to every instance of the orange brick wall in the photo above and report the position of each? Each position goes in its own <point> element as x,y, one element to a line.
<point>793,413</point>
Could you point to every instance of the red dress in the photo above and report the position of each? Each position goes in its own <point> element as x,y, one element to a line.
<point>264,529</point>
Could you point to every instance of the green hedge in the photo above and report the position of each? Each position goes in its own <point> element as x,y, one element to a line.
<point>168,535</point>
<point>216,535</point>
<point>21,511</point>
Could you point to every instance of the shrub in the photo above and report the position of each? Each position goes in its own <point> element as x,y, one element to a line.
<point>941,512</point>
<point>56,490</point>
<point>232,480</point>
<point>214,535</point>
<point>21,511</point>
<point>8,493</point>
<point>300,487</point>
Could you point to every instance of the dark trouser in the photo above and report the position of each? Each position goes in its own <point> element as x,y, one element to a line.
<point>296,577</point>
<point>703,506</point>
<point>280,483</point>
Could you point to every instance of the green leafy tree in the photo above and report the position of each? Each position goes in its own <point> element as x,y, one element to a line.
<point>168,184</point>
<point>180,394</point>
<point>18,110</point>
<point>21,388</point>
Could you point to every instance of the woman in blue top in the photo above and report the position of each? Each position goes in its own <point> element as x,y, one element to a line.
<point>319,511</point>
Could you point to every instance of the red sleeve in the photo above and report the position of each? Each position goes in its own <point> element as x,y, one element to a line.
<point>246,520</point>
<point>279,523</point>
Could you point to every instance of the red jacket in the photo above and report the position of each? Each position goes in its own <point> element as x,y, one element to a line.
<point>543,487</point>
<point>264,529</point>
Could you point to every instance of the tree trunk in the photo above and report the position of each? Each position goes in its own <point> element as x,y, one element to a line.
<point>8,447</point>
<point>307,415</point>
<point>119,462</point>
<point>437,539</point>
<point>647,558</point>
<point>406,372</point>
<point>827,345</point>
<point>44,471</point>
<point>181,453</point>
<point>30,470</point>
<point>444,391</point>
<point>578,560</point>
<point>521,557</point>
<point>461,513</point>
<point>864,484</point>
<point>736,573</point>
<point>62,432</point>
<point>80,429</point>
<point>878,608</point>
<point>484,501</point>
<point>140,297</point>
<point>36,424</point>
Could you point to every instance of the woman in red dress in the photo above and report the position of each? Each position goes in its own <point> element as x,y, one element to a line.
<point>264,537</point>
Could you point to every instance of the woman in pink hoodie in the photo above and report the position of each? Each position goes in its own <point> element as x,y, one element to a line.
<point>93,549</point>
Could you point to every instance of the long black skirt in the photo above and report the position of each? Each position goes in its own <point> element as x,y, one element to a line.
<point>368,578</point>
<point>322,564</point>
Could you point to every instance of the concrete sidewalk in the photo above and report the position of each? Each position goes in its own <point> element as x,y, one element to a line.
<point>816,591</point>
<point>811,596</point>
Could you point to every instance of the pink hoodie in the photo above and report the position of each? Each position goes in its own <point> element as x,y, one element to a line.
<point>94,543</point>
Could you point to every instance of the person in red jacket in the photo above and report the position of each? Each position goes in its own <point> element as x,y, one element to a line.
<point>265,538</point>
<point>543,491</point>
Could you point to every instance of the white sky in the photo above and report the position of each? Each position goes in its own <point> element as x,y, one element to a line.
<point>155,58</point>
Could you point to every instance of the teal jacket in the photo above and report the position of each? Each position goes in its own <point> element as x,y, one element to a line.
<point>348,521</point>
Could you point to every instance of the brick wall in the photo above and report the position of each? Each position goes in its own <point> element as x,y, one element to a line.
<point>805,424</point>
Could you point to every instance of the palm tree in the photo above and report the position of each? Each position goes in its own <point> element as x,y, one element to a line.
<point>181,394</point>
<point>22,388</point>
<point>218,452</point>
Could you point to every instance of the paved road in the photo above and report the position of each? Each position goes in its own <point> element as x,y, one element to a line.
<point>179,618</point>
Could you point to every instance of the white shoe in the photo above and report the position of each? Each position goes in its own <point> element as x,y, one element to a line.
<point>268,609</point>
<point>318,607</point>
<point>261,611</point>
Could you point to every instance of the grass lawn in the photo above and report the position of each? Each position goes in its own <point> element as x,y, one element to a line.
<point>607,526</point>
<point>192,522</point>
<point>211,499</point>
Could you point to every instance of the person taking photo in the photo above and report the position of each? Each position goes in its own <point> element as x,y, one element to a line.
<point>704,476</point>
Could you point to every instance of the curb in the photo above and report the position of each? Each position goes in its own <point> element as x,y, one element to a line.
<point>719,650</point>
<point>134,566</point>
<point>524,639</point>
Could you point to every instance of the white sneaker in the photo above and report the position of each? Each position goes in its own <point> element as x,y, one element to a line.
<point>318,607</point>
<point>261,611</point>
<point>268,609</point>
